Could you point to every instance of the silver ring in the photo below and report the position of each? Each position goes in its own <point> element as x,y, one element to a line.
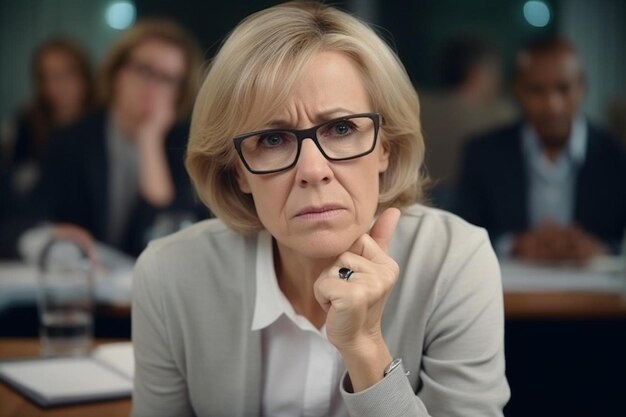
<point>345,273</point>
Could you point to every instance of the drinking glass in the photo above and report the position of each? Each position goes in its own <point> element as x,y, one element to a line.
<point>66,300</point>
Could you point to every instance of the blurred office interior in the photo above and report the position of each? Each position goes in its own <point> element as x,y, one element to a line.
<point>565,346</point>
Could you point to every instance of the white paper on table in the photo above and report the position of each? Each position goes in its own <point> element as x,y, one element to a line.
<point>17,275</point>
<point>18,283</point>
<point>113,281</point>
<point>118,356</point>
<point>523,277</point>
<point>65,380</point>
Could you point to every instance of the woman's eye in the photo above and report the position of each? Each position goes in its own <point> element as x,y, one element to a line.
<point>271,140</point>
<point>341,128</point>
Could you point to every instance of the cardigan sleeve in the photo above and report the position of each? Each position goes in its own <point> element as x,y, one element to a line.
<point>462,371</point>
<point>160,388</point>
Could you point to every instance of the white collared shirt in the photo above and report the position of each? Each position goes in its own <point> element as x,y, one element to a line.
<point>301,368</point>
<point>552,185</point>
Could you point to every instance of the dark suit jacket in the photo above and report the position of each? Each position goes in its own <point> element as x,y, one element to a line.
<point>493,186</point>
<point>76,182</point>
<point>18,210</point>
<point>26,146</point>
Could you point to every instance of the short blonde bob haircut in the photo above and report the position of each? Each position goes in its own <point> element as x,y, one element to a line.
<point>153,29</point>
<point>250,79</point>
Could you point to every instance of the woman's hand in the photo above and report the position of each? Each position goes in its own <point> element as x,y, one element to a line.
<point>551,243</point>
<point>78,235</point>
<point>355,307</point>
<point>157,122</point>
<point>155,181</point>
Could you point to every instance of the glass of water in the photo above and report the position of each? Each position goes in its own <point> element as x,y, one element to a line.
<point>66,300</point>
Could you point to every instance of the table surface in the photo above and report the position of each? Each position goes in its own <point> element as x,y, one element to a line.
<point>564,305</point>
<point>527,305</point>
<point>530,292</point>
<point>13,404</point>
<point>523,305</point>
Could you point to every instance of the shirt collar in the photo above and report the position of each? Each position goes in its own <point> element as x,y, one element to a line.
<point>270,302</point>
<point>267,306</point>
<point>576,145</point>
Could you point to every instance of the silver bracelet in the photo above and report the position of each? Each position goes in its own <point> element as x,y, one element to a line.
<point>393,365</point>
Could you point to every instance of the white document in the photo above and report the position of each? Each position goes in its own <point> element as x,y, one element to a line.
<point>119,356</point>
<point>107,374</point>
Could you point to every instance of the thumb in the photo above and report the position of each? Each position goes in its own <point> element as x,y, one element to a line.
<point>383,228</point>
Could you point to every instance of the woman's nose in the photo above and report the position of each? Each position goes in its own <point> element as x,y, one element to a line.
<point>312,167</point>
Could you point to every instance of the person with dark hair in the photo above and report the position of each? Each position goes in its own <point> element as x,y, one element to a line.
<point>117,176</point>
<point>470,102</point>
<point>551,186</point>
<point>63,93</point>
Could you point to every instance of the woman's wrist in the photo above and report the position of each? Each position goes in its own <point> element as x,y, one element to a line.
<point>366,363</point>
<point>155,182</point>
<point>150,139</point>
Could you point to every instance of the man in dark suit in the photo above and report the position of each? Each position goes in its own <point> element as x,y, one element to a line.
<point>118,176</point>
<point>551,187</point>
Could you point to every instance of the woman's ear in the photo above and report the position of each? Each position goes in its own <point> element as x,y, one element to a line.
<point>242,181</point>
<point>383,155</point>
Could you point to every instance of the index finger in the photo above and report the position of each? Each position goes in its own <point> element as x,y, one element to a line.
<point>384,227</point>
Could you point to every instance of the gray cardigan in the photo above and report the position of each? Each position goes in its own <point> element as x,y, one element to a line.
<point>195,352</point>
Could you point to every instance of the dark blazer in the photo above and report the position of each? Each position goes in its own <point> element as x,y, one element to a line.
<point>8,230</point>
<point>76,179</point>
<point>18,211</point>
<point>26,147</point>
<point>493,186</point>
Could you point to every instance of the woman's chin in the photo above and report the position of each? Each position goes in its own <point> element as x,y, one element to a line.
<point>324,245</point>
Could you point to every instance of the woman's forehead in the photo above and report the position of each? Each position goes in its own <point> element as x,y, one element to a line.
<point>330,86</point>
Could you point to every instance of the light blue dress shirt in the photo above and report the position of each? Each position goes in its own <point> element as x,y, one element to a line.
<point>551,184</point>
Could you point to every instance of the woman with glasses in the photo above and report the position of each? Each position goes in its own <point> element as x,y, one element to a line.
<point>116,174</point>
<point>323,289</point>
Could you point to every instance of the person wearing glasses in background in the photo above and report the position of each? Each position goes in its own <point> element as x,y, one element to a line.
<point>322,289</point>
<point>109,176</point>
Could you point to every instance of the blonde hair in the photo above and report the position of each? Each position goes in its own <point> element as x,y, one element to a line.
<point>161,30</point>
<point>252,76</point>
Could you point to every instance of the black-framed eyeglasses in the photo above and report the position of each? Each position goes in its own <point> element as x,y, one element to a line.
<point>341,139</point>
<point>148,73</point>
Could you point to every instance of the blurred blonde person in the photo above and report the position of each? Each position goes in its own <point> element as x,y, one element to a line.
<point>322,283</point>
<point>110,176</point>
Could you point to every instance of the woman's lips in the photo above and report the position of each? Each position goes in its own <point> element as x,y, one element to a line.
<point>320,213</point>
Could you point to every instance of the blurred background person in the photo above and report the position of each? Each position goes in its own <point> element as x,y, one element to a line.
<point>550,187</point>
<point>471,102</point>
<point>63,92</point>
<point>117,174</point>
